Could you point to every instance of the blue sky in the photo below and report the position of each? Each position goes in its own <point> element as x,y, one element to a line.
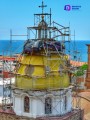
<point>18,14</point>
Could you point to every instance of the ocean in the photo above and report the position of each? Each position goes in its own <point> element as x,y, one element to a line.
<point>77,49</point>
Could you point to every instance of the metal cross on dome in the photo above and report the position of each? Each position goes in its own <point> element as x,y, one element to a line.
<point>42,6</point>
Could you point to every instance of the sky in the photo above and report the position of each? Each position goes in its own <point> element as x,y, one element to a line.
<point>18,15</point>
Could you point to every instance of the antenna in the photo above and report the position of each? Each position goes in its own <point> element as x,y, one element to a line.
<point>50,16</point>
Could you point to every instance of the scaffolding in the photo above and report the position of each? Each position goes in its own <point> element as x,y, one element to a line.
<point>51,61</point>
<point>9,67</point>
<point>7,79</point>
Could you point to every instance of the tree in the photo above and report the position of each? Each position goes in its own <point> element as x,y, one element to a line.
<point>81,70</point>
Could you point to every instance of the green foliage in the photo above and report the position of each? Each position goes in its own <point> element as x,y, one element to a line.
<point>84,67</point>
<point>81,70</point>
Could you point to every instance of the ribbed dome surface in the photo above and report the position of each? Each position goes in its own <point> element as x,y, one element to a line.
<point>40,72</point>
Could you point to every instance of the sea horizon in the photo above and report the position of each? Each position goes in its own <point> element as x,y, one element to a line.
<point>74,48</point>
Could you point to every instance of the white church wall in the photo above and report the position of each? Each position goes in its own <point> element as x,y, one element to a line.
<point>37,104</point>
<point>69,101</point>
<point>34,107</point>
<point>56,106</point>
<point>17,105</point>
<point>59,107</point>
<point>40,107</point>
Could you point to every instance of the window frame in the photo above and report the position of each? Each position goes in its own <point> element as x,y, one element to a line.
<point>26,105</point>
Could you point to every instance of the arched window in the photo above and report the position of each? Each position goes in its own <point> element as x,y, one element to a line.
<point>26,104</point>
<point>48,105</point>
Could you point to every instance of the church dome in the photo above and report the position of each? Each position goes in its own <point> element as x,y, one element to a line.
<point>36,73</point>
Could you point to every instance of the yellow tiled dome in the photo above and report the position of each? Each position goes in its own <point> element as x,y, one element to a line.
<point>42,72</point>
